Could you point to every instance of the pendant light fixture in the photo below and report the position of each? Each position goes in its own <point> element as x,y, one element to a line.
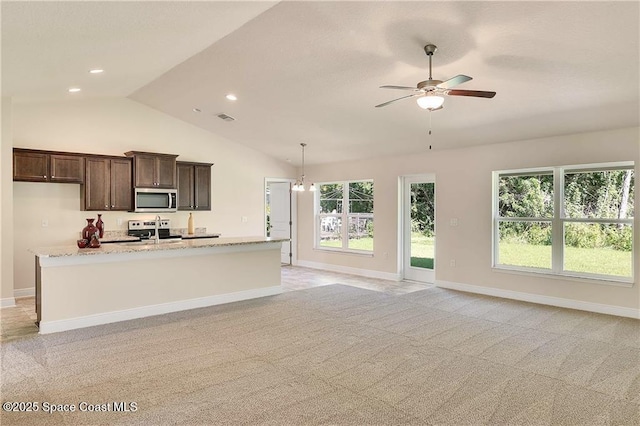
<point>299,185</point>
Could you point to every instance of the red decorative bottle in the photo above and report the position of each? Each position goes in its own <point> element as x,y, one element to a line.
<point>100,226</point>
<point>95,242</point>
<point>90,230</point>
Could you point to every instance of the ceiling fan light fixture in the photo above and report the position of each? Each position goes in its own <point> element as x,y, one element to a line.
<point>429,101</point>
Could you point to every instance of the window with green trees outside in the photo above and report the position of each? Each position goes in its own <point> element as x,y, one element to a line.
<point>572,220</point>
<point>344,216</point>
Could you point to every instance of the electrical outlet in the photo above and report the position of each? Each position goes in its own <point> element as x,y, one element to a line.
<point>243,219</point>
<point>453,221</point>
<point>45,223</point>
<point>452,263</point>
<point>119,221</point>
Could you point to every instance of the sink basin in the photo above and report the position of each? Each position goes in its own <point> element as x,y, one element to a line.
<point>150,243</point>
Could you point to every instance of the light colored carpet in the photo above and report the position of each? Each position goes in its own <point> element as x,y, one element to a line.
<point>339,355</point>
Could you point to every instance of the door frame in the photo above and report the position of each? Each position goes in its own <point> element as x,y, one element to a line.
<point>293,205</point>
<point>404,221</point>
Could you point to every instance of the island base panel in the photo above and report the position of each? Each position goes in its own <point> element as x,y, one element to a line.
<point>142,287</point>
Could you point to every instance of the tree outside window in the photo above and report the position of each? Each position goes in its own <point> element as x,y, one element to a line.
<point>574,221</point>
<point>345,215</point>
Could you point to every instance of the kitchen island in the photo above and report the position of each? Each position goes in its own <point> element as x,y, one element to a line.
<point>120,281</point>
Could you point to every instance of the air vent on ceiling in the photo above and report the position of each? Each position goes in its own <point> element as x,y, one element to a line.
<point>226,117</point>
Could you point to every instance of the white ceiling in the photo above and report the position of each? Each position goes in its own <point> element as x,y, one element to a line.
<point>310,71</point>
<point>48,47</point>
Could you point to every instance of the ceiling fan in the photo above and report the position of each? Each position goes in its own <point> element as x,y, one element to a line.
<point>430,92</point>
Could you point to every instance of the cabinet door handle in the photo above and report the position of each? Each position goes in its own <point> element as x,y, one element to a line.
<point>45,176</point>
<point>52,176</point>
<point>106,206</point>
<point>113,206</point>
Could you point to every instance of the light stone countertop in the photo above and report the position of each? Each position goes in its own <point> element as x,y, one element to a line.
<point>122,236</point>
<point>119,248</point>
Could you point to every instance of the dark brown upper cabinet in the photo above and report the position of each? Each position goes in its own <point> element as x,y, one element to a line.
<point>151,170</point>
<point>108,184</point>
<point>194,185</point>
<point>45,166</point>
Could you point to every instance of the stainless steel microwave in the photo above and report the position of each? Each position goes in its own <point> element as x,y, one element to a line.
<point>155,200</point>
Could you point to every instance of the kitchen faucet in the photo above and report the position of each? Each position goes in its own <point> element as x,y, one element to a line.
<point>156,237</point>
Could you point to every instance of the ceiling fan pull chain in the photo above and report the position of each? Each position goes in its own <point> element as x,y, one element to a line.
<point>430,122</point>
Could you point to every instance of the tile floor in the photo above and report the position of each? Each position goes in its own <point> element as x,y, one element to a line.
<point>18,322</point>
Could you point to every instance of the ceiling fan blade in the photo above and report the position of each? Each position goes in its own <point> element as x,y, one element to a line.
<point>389,102</point>
<point>398,87</point>
<point>474,93</point>
<point>454,81</point>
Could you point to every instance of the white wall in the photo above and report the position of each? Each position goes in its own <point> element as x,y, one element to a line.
<point>6,210</point>
<point>463,182</point>
<point>112,127</point>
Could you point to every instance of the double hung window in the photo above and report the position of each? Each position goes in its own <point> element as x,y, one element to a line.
<point>344,216</point>
<point>573,220</point>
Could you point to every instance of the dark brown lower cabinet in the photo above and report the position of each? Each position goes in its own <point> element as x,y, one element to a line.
<point>194,185</point>
<point>108,184</point>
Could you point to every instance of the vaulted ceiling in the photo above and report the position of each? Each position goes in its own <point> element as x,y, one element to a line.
<point>310,71</point>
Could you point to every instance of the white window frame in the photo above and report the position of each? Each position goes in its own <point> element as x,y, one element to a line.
<point>558,222</point>
<point>344,217</point>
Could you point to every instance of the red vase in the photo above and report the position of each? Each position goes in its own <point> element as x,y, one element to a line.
<point>100,226</point>
<point>90,230</point>
<point>95,243</point>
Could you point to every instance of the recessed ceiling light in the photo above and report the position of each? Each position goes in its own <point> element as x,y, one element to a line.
<point>96,71</point>
<point>197,110</point>
<point>232,97</point>
<point>74,89</point>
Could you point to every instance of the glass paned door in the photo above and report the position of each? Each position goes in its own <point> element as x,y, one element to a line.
<point>419,228</point>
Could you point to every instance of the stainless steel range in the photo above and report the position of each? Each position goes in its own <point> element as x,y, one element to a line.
<point>145,229</point>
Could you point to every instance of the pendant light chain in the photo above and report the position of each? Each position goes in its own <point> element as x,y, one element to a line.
<point>303,145</point>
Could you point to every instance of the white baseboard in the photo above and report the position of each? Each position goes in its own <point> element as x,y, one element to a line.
<point>8,302</point>
<point>47,327</point>
<point>349,270</point>
<point>24,292</point>
<point>543,300</point>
